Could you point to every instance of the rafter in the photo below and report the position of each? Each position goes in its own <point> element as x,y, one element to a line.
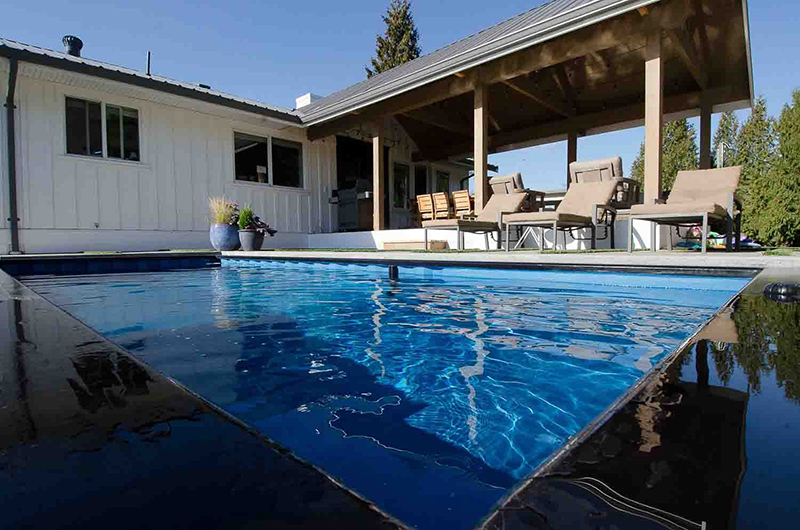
<point>548,103</point>
<point>632,114</point>
<point>438,119</point>
<point>700,18</point>
<point>684,45</point>
<point>562,80</point>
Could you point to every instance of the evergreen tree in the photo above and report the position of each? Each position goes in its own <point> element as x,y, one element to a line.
<point>400,42</point>
<point>756,144</point>
<point>727,132</point>
<point>756,153</point>
<point>772,193</point>
<point>679,152</point>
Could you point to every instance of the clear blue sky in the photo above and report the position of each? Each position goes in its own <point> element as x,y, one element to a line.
<point>275,51</point>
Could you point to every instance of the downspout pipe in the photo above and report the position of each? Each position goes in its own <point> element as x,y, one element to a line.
<point>12,156</point>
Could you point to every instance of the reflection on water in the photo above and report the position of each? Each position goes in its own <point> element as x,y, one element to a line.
<point>429,395</point>
<point>713,439</point>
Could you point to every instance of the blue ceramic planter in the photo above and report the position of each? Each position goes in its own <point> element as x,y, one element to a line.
<point>224,237</point>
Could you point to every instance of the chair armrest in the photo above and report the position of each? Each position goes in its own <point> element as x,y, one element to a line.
<point>596,210</point>
<point>659,201</point>
<point>467,216</point>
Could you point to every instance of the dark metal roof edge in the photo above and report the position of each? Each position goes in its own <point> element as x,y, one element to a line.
<point>531,38</point>
<point>153,84</point>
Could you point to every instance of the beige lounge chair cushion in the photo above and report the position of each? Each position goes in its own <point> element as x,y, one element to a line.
<point>595,170</point>
<point>688,208</point>
<point>545,218</point>
<point>705,185</point>
<point>498,204</point>
<point>465,224</point>
<point>581,197</point>
<point>506,184</point>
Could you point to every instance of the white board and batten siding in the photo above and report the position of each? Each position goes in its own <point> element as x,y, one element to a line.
<point>73,202</point>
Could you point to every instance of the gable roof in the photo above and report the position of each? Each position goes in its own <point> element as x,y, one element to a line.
<point>64,61</point>
<point>541,23</point>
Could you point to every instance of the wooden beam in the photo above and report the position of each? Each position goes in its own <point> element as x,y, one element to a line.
<point>378,179</point>
<point>572,151</point>
<point>439,119</point>
<point>633,114</point>
<point>705,132</point>
<point>562,80</point>
<point>653,117</point>
<point>548,103</point>
<point>576,44</point>
<point>685,47</point>
<point>481,146</point>
<point>700,18</point>
<point>495,124</point>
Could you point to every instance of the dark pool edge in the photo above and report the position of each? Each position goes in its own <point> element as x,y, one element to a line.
<point>6,279</point>
<point>575,442</point>
<point>732,272</point>
<point>124,262</point>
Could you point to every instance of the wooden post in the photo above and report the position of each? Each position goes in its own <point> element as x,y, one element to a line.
<point>653,117</point>
<point>378,178</point>
<point>705,133</point>
<point>481,151</point>
<point>572,151</point>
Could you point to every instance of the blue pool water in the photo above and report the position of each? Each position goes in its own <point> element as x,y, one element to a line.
<point>431,395</point>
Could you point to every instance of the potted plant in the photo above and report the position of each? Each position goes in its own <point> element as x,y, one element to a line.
<point>252,230</point>
<point>224,233</point>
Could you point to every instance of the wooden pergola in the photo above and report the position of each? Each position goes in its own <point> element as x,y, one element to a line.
<point>646,62</point>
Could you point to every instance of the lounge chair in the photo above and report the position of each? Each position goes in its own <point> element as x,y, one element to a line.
<point>462,204</point>
<point>697,196</point>
<point>513,184</point>
<point>585,205</point>
<point>627,192</point>
<point>486,221</point>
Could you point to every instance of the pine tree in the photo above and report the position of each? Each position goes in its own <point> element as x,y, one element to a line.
<point>756,144</point>
<point>772,194</point>
<point>727,132</point>
<point>400,43</point>
<point>679,152</point>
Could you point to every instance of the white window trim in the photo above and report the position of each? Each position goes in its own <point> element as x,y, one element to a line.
<point>270,174</point>
<point>103,131</point>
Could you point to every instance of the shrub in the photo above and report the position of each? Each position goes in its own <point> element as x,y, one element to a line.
<point>247,218</point>
<point>223,211</point>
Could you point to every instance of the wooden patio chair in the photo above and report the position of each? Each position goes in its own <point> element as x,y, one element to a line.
<point>585,205</point>
<point>697,196</point>
<point>462,204</point>
<point>425,208</point>
<point>441,206</point>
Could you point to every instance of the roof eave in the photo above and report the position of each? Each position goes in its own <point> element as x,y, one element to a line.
<point>606,12</point>
<point>746,18</point>
<point>153,84</point>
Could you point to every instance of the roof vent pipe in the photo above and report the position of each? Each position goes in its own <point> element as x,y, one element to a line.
<point>72,45</point>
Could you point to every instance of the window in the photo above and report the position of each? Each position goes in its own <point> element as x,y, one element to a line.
<point>442,181</point>
<point>287,163</point>
<point>251,157</point>
<point>122,133</point>
<point>85,130</point>
<point>401,177</point>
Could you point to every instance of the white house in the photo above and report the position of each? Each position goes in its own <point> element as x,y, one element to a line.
<point>109,158</point>
<point>100,157</point>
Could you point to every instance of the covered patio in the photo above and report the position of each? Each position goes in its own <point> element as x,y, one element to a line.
<point>564,70</point>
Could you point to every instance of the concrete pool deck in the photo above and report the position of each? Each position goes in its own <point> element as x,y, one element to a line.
<point>616,260</point>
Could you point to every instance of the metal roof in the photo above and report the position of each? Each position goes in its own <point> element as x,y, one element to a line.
<point>542,23</point>
<point>43,56</point>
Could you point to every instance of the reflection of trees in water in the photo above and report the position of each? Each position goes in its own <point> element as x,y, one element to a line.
<point>769,340</point>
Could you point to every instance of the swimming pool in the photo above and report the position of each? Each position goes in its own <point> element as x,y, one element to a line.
<point>430,395</point>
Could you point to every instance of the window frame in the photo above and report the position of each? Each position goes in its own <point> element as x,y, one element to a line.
<point>270,173</point>
<point>103,129</point>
